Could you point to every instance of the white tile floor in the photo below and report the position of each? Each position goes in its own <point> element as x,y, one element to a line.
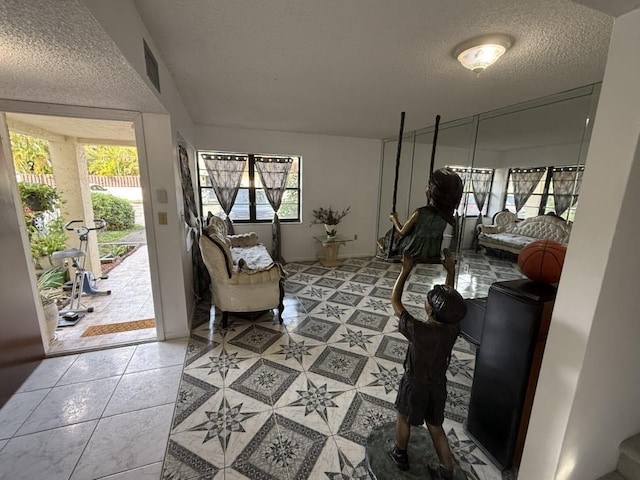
<point>104,414</point>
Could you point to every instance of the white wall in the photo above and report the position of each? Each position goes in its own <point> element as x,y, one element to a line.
<point>587,396</point>
<point>123,24</point>
<point>166,242</point>
<point>340,171</point>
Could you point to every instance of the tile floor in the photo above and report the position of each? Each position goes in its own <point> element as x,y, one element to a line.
<point>257,400</point>
<point>130,299</point>
<point>103,414</point>
<point>260,400</point>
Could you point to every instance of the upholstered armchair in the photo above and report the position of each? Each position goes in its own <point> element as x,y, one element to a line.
<point>244,278</point>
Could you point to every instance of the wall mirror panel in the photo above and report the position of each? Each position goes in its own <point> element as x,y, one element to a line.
<point>540,145</point>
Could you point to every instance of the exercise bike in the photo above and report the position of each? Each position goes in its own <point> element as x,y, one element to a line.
<point>84,282</point>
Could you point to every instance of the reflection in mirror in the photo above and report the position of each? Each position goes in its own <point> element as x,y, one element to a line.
<point>535,154</point>
<point>453,147</point>
<point>527,158</point>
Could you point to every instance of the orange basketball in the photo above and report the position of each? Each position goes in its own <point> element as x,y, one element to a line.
<point>542,261</point>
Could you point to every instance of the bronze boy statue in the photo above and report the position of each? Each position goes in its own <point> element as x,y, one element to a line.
<point>422,392</point>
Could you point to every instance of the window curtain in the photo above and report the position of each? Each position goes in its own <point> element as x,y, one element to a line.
<point>465,174</point>
<point>566,184</point>
<point>225,172</point>
<point>273,173</point>
<point>194,226</point>
<point>525,181</point>
<point>481,185</point>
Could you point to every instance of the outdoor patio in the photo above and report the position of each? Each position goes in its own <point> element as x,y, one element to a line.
<point>130,301</point>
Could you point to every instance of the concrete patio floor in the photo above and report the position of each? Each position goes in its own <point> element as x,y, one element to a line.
<point>130,300</point>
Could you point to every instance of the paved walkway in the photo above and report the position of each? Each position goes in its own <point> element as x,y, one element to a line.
<point>139,236</point>
<point>130,299</point>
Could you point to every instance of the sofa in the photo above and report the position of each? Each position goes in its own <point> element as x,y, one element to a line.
<point>508,235</point>
<point>244,278</point>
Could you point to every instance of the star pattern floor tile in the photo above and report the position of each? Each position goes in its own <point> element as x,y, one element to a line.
<point>345,298</point>
<point>192,394</point>
<point>181,463</point>
<point>369,320</point>
<point>260,400</point>
<point>338,364</point>
<point>317,328</point>
<point>393,349</point>
<point>265,381</point>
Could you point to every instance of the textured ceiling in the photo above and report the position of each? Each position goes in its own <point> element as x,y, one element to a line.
<point>333,67</point>
<point>56,52</point>
<point>350,68</point>
<point>75,127</point>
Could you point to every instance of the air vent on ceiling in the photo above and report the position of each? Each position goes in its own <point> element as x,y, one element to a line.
<point>152,66</point>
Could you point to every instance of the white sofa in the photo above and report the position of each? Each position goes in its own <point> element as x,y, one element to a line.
<point>244,278</point>
<point>509,235</point>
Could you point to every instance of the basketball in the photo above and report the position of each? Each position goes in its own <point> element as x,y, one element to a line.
<point>542,261</point>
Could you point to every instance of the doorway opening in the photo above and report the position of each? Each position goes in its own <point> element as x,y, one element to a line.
<point>90,236</point>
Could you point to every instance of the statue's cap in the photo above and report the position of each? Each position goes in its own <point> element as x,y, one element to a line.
<point>447,304</point>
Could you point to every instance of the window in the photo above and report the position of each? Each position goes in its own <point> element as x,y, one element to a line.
<point>542,200</point>
<point>251,204</point>
<point>483,178</point>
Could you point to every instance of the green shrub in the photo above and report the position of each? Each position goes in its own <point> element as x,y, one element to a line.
<point>113,251</point>
<point>117,212</point>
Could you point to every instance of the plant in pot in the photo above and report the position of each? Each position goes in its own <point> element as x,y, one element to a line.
<point>50,292</point>
<point>39,197</point>
<point>41,204</point>
<point>330,218</point>
<point>44,243</point>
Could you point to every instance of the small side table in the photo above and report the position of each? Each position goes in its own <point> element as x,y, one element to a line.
<point>330,247</point>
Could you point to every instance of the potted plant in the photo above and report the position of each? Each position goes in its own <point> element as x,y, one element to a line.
<point>44,243</point>
<point>330,218</point>
<point>50,292</point>
<point>39,197</point>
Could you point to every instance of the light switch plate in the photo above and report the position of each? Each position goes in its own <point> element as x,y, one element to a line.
<point>161,195</point>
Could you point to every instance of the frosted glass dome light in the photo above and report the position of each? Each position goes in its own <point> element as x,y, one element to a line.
<point>481,52</point>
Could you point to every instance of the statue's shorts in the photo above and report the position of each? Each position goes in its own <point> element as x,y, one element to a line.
<point>421,403</point>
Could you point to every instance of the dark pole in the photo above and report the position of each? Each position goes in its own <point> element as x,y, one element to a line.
<point>395,181</point>
<point>433,147</point>
<point>433,161</point>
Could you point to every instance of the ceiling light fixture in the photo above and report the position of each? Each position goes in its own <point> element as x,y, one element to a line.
<point>480,52</point>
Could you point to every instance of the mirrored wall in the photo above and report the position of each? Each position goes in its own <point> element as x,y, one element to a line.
<point>541,143</point>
